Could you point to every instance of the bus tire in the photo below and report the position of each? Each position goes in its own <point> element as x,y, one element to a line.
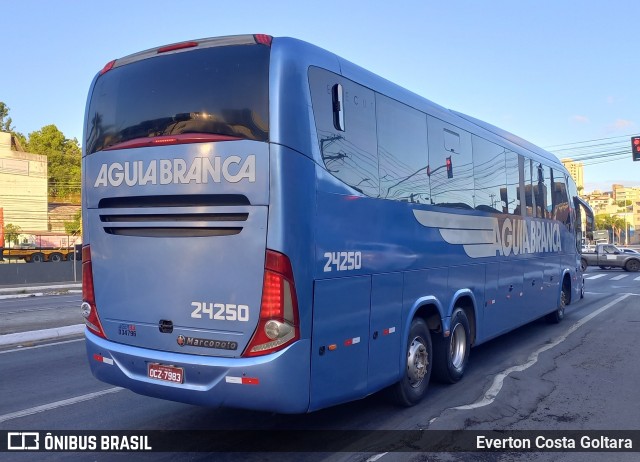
<point>37,258</point>
<point>558,315</point>
<point>55,257</point>
<point>451,354</point>
<point>414,382</point>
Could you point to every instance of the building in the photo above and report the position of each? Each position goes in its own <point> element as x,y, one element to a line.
<point>23,187</point>
<point>576,169</point>
<point>601,202</point>
<point>616,204</point>
<point>623,194</point>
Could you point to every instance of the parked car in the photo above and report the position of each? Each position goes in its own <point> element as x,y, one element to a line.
<point>628,250</point>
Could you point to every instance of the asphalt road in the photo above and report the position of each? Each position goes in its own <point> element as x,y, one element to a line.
<point>581,374</point>
<point>39,312</point>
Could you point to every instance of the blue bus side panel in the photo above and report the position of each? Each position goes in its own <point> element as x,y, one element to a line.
<point>386,330</point>
<point>506,306</point>
<point>339,346</point>
<point>291,222</point>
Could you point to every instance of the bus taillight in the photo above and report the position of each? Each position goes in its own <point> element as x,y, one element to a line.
<point>89,311</point>
<point>278,324</point>
<point>263,39</point>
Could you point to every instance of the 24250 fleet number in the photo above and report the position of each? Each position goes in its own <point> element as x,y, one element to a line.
<point>342,261</point>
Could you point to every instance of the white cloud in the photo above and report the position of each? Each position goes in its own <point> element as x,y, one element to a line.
<point>579,119</point>
<point>620,125</point>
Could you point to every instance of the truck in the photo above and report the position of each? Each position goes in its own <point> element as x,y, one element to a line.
<point>609,256</point>
<point>38,255</point>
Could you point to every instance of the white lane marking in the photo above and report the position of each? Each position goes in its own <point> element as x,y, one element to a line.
<point>637,279</point>
<point>44,334</point>
<point>491,394</point>
<point>44,345</point>
<point>376,457</point>
<point>57,404</point>
<point>595,276</point>
<point>617,278</point>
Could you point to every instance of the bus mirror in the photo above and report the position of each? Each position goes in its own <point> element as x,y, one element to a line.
<point>338,107</point>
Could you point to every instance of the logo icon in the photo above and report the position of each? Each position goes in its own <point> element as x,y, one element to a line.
<point>23,441</point>
<point>181,340</point>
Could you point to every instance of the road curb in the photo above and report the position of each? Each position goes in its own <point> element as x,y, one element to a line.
<point>38,291</point>
<point>44,334</point>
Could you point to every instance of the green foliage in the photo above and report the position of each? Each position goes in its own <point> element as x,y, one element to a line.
<point>64,159</point>
<point>5,120</point>
<point>617,225</point>
<point>11,233</point>
<point>74,227</point>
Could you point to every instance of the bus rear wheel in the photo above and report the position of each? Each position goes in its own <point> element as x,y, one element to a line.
<point>558,315</point>
<point>414,382</point>
<point>451,354</point>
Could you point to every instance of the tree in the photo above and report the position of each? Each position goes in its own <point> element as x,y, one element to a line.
<point>74,227</point>
<point>614,224</point>
<point>12,233</point>
<point>63,158</point>
<point>5,120</point>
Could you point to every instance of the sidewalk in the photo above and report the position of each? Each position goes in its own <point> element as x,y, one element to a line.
<point>25,327</point>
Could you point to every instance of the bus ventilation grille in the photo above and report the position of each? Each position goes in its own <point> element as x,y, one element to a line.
<point>182,216</point>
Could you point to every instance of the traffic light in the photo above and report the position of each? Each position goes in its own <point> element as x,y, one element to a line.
<point>635,147</point>
<point>450,167</point>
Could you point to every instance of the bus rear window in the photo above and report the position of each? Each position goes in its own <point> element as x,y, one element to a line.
<point>218,90</point>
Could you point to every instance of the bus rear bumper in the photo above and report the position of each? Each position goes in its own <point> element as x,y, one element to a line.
<point>278,382</point>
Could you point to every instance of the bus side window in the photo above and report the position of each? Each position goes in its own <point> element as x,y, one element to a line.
<point>345,119</point>
<point>450,165</point>
<point>513,183</point>
<point>490,176</point>
<point>529,190</point>
<point>560,199</point>
<point>402,150</point>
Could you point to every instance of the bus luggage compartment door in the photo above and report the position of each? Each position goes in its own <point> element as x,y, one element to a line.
<point>339,352</point>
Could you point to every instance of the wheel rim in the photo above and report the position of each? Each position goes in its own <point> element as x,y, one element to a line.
<point>563,303</point>
<point>417,362</point>
<point>458,346</point>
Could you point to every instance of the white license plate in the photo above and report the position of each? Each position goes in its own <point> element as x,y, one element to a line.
<point>166,373</point>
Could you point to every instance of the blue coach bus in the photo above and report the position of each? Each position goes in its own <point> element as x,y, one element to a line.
<point>268,226</point>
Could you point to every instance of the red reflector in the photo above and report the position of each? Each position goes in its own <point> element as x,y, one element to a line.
<point>177,46</point>
<point>263,39</point>
<point>97,357</point>
<point>86,253</point>
<point>250,381</point>
<point>107,67</point>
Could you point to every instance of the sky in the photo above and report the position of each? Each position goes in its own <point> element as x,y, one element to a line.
<point>564,75</point>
